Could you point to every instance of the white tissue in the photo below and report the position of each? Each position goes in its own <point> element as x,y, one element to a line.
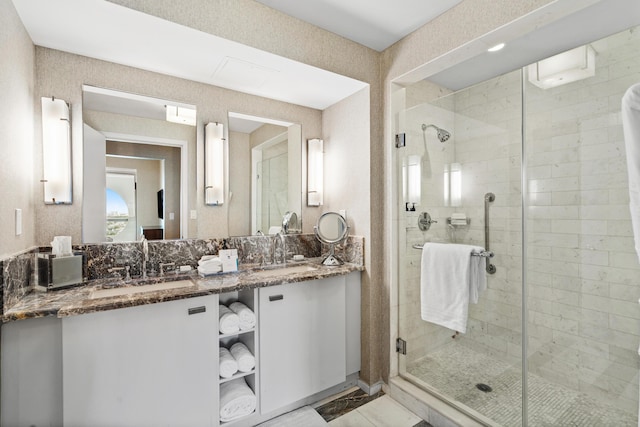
<point>61,246</point>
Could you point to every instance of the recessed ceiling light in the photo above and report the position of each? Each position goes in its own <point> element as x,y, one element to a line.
<point>496,48</point>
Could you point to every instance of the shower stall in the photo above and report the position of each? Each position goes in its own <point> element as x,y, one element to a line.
<point>553,340</point>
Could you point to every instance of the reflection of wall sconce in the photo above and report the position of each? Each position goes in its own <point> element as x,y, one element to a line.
<point>453,184</point>
<point>411,178</point>
<point>181,115</point>
<point>570,66</point>
<point>315,172</point>
<point>214,164</point>
<point>56,151</point>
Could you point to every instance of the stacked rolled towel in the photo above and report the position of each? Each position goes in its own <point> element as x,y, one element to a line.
<point>228,364</point>
<point>229,322</point>
<point>209,264</point>
<point>246,315</point>
<point>236,400</point>
<point>242,355</point>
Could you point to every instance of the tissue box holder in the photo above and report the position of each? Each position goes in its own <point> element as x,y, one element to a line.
<point>55,272</point>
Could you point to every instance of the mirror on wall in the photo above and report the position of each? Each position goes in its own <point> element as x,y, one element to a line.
<point>136,153</point>
<point>265,177</point>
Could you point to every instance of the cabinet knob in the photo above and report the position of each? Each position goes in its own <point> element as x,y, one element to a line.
<point>196,310</point>
<point>276,297</point>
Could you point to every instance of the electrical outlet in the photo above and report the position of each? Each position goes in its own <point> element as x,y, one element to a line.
<point>194,214</point>
<point>172,216</point>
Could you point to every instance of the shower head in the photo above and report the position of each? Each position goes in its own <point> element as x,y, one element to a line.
<point>443,135</point>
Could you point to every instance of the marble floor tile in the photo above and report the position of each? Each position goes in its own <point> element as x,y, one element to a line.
<point>386,412</point>
<point>352,419</point>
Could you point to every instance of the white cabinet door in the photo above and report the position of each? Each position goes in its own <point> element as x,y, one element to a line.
<point>152,365</point>
<point>302,340</point>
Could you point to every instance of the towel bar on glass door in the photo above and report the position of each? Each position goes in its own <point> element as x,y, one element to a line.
<point>486,254</point>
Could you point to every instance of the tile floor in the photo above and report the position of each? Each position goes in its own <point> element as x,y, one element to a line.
<point>455,370</point>
<point>357,409</point>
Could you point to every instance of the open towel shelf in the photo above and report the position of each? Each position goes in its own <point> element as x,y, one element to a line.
<point>486,254</point>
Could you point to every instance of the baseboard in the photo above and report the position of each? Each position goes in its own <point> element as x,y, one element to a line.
<point>370,389</point>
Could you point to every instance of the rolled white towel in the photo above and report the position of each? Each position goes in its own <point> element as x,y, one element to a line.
<point>236,400</point>
<point>228,321</point>
<point>246,361</point>
<point>246,315</point>
<point>228,364</point>
<point>209,258</point>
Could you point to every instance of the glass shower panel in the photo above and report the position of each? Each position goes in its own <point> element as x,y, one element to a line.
<point>583,277</point>
<point>464,144</point>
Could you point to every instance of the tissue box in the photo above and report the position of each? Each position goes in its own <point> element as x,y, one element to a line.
<point>55,272</point>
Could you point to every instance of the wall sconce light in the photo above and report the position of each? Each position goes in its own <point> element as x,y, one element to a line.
<point>411,179</point>
<point>181,115</point>
<point>56,151</point>
<point>453,184</point>
<point>570,66</point>
<point>315,172</point>
<point>214,164</point>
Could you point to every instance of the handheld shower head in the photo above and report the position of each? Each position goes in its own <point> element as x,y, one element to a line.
<point>443,135</point>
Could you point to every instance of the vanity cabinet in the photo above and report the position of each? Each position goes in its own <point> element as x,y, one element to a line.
<point>302,340</point>
<point>149,365</point>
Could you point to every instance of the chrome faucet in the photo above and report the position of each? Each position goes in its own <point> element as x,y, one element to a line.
<point>145,255</point>
<point>279,236</point>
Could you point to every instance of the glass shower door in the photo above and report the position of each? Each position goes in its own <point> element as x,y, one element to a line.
<point>460,147</point>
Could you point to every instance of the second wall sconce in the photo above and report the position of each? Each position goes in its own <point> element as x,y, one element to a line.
<point>315,172</point>
<point>56,151</point>
<point>214,164</point>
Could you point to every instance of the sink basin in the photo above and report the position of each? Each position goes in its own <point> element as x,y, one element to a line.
<point>284,271</point>
<point>130,290</point>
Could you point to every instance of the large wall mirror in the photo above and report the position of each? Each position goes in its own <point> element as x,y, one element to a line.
<point>265,173</point>
<point>137,151</point>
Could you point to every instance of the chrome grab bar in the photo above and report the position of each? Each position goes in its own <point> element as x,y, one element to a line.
<point>486,254</point>
<point>488,198</point>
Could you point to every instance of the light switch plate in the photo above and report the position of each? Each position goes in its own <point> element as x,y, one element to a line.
<point>172,216</point>
<point>194,214</point>
<point>18,222</point>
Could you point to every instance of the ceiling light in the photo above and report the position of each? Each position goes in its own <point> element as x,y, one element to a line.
<point>496,48</point>
<point>570,66</point>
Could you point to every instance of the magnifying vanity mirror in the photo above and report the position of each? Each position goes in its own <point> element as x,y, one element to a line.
<point>331,229</point>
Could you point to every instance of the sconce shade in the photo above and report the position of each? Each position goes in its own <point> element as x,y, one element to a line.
<point>453,184</point>
<point>411,179</point>
<point>315,172</point>
<point>214,164</point>
<point>56,151</point>
<point>570,66</point>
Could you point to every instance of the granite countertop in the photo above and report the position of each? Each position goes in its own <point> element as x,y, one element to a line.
<point>77,300</point>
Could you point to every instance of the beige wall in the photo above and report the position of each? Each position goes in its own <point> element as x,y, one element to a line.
<point>239,184</point>
<point>17,56</point>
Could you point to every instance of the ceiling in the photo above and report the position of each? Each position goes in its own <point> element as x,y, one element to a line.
<point>110,32</point>
<point>376,24</point>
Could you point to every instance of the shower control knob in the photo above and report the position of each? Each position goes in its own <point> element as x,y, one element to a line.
<point>425,221</point>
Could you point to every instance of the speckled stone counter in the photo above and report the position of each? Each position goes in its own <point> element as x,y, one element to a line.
<point>77,300</point>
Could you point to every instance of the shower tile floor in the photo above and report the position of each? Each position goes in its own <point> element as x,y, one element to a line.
<point>455,369</point>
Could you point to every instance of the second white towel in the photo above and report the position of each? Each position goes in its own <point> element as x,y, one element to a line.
<point>228,364</point>
<point>246,315</point>
<point>246,360</point>
<point>236,400</point>
<point>229,322</point>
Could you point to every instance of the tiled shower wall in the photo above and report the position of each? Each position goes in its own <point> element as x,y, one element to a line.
<point>583,277</point>
<point>583,274</point>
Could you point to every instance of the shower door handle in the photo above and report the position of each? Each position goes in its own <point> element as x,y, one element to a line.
<point>488,198</point>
